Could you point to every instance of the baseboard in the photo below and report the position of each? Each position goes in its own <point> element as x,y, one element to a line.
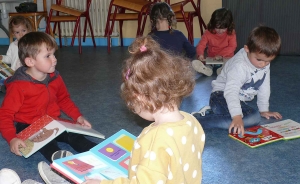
<point>100,41</point>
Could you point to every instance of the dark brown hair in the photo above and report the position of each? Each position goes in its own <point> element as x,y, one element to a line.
<point>153,78</point>
<point>30,45</point>
<point>264,40</point>
<point>17,20</point>
<point>221,18</point>
<point>160,11</point>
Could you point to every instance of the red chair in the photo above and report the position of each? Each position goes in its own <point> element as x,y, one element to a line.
<point>188,16</point>
<point>118,11</point>
<point>70,15</point>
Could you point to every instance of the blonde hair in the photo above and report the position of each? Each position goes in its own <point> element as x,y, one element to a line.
<point>153,79</point>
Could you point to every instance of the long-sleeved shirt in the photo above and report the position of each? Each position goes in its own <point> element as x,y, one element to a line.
<point>169,153</point>
<point>27,100</point>
<point>12,56</point>
<point>175,42</point>
<point>241,81</point>
<point>217,44</point>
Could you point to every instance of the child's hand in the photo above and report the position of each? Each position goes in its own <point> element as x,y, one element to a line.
<point>91,181</point>
<point>83,122</point>
<point>15,144</point>
<point>268,114</point>
<point>201,58</point>
<point>218,58</point>
<point>237,125</point>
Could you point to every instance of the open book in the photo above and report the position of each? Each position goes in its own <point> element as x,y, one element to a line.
<point>264,134</point>
<point>5,70</point>
<point>45,129</point>
<point>213,61</point>
<point>108,160</point>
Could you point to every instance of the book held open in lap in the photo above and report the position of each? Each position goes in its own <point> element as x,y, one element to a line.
<point>108,160</point>
<point>264,134</point>
<point>5,70</point>
<point>45,129</point>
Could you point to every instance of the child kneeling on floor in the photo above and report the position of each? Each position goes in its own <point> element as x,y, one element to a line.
<point>243,77</point>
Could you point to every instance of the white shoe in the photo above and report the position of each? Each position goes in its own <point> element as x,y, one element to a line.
<point>201,68</point>
<point>29,181</point>
<point>60,154</point>
<point>49,176</point>
<point>8,176</point>
<point>202,111</point>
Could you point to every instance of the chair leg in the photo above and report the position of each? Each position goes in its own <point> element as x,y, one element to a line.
<point>84,29</point>
<point>91,29</point>
<point>59,35</point>
<point>75,30</point>
<point>121,32</point>
<point>79,37</point>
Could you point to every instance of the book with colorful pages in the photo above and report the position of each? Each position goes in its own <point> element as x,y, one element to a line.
<point>45,129</point>
<point>108,160</point>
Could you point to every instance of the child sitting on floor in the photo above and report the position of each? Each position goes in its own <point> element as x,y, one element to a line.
<point>162,19</point>
<point>37,89</point>
<point>243,77</point>
<point>219,39</point>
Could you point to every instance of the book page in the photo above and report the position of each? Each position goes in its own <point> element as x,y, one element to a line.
<point>109,159</point>
<point>76,128</point>
<point>289,129</point>
<point>42,137</point>
<point>256,136</point>
<point>212,61</point>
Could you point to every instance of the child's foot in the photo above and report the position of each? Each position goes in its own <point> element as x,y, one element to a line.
<point>29,181</point>
<point>202,111</point>
<point>9,176</point>
<point>201,68</point>
<point>49,176</point>
<point>60,154</point>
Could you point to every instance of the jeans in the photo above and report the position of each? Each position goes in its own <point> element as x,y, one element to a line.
<point>219,116</point>
<point>76,141</point>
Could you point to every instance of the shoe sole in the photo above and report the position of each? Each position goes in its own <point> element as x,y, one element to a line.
<point>201,68</point>
<point>42,174</point>
<point>60,154</point>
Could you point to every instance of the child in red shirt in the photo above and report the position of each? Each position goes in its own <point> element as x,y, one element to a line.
<point>219,39</point>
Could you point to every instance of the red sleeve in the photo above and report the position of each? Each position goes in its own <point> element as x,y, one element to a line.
<point>202,44</point>
<point>11,104</point>
<point>65,102</point>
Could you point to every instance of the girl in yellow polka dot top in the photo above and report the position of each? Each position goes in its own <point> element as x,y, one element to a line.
<point>169,150</point>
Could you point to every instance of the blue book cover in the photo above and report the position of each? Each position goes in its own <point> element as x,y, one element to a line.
<point>108,160</point>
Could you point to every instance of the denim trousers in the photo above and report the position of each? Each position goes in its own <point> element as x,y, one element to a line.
<point>219,116</point>
<point>76,141</point>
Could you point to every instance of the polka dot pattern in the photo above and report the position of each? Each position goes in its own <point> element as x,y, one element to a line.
<point>170,132</point>
<point>169,151</point>
<point>180,147</point>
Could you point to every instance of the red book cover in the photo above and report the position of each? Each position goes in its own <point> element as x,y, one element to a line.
<point>256,136</point>
<point>34,127</point>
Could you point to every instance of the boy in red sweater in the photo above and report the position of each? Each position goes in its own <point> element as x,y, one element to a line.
<point>37,89</point>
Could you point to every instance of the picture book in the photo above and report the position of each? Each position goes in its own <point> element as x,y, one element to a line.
<point>45,129</point>
<point>213,61</point>
<point>5,70</point>
<point>264,134</point>
<point>108,160</point>
<point>288,128</point>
